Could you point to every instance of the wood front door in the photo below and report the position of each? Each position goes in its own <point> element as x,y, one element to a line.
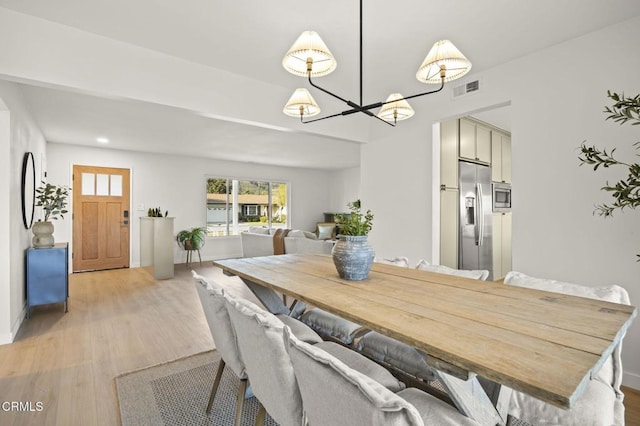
<point>101,218</point>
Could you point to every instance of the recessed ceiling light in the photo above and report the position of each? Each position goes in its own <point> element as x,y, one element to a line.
<point>102,140</point>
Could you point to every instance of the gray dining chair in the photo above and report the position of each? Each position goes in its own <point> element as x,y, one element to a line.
<point>212,298</point>
<point>335,328</point>
<point>398,356</point>
<point>261,343</point>
<point>259,338</point>
<point>213,304</point>
<point>335,394</point>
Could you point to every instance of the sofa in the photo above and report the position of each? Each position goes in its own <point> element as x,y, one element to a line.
<point>260,241</point>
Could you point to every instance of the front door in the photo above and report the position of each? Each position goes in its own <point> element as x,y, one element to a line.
<point>100,218</point>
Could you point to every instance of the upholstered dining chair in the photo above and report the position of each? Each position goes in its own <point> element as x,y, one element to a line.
<point>259,337</point>
<point>335,328</point>
<point>213,304</point>
<point>261,343</point>
<point>601,403</point>
<point>478,274</point>
<point>212,297</point>
<point>335,394</point>
<point>399,356</point>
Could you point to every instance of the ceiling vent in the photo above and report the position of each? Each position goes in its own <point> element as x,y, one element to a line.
<point>463,89</point>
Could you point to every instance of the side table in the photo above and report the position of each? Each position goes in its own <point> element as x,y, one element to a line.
<point>47,276</point>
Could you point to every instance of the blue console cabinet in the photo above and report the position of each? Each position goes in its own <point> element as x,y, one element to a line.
<point>47,276</point>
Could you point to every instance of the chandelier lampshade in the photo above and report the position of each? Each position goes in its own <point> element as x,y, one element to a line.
<point>395,109</point>
<point>301,104</point>
<point>309,45</point>
<point>442,53</point>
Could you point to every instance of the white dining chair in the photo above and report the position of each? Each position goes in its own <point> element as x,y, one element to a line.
<point>260,340</point>
<point>213,304</point>
<point>478,274</point>
<point>399,356</point>
<point>259,337</point>
<point>335,328</point>
<point>602,400</point>
<point>335,394</point>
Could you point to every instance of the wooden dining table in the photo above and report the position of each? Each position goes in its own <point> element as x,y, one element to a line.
<point>547,345</point>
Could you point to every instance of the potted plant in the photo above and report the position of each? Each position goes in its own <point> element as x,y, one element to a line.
<point>352,254</point>
<point>192,239</point>
<point>156,212</point>
<point>53,200</point>
<point>625,192</point>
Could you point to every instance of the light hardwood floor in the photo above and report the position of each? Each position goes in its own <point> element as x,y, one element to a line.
<point>118,321</point>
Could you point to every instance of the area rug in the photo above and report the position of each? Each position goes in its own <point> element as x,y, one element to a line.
<point>177,392</point>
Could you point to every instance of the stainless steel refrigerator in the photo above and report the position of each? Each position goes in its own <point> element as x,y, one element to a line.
<point>476,248</point>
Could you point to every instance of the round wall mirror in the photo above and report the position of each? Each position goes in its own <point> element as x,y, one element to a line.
<point>28,189</point>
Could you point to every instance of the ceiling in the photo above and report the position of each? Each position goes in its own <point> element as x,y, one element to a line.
<point>249,38</point>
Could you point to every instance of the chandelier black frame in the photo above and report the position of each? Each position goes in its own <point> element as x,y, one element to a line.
<point>437,61</point>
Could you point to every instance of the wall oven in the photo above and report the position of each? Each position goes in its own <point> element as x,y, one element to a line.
<point>501,197</point>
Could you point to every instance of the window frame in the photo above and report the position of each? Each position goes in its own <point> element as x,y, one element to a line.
<point>231,228</point>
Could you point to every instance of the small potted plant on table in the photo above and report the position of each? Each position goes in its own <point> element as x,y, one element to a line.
<point>53,200</point>
<point>352,254</point>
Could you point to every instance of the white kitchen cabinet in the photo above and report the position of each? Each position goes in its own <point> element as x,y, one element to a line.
<point>449,228</point>
<point>501,244</point>
<point>500,157</point>
<point>449,154</point>
<point>475,141</point>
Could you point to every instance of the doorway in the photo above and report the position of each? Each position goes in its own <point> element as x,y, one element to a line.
<point>482,137</point>
<point>101,218</point>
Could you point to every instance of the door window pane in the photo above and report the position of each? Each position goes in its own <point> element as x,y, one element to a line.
<point>102,184</point>
<point>116,185</point>
<point>88,184</point>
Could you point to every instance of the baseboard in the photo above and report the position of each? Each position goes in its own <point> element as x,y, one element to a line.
<point>7,338</point>
<point>631,380</point>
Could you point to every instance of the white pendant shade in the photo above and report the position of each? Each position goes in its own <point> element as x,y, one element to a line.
<point>309,45</point>
<point>395,110</point>
<point>300,104</point>
<point>444,53</point>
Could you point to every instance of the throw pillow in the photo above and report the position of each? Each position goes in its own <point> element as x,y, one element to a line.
<point>310,235</point>
<point>325,230</point>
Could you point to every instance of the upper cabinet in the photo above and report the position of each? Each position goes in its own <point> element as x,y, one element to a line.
<point>449,154</point>
<point>500,157</point>
<point>475,141</point>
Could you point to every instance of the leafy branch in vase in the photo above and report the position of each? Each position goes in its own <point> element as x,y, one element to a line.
<point>626,192</point>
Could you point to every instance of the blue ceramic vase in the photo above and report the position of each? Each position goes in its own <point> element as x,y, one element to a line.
<point>353,256</point>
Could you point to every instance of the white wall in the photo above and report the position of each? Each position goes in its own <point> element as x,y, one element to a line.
<point>345,188</point>
<point>557,98</point>
<point>18,135</point>
<point>396,186</point>
<point>178,184</point>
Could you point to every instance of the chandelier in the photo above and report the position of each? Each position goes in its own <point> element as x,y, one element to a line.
<point>309,57</point>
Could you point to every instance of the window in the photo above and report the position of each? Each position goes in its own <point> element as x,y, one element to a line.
<point>250,210</point>
<point>235,205</point>
<point>101,184</point>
